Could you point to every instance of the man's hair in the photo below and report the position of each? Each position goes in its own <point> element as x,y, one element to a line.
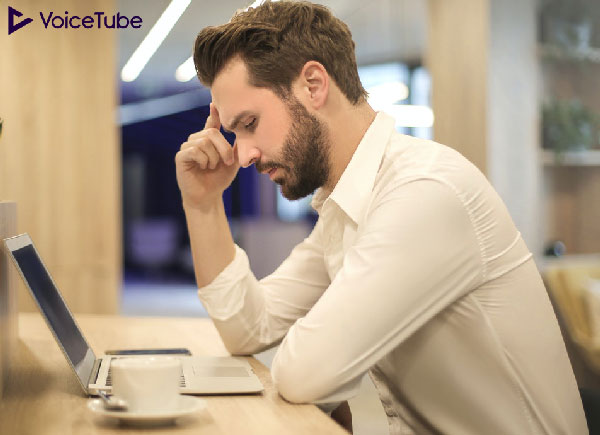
<point>275,40</point>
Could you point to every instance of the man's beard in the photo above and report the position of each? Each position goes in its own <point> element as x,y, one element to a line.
<point>305,154</point>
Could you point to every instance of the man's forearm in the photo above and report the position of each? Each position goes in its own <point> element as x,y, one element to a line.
<point>210,240</point>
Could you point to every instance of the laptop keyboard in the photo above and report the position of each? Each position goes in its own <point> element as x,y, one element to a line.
<point>109,379</point>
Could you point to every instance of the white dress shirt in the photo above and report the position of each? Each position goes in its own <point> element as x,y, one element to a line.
<point>416,274</point>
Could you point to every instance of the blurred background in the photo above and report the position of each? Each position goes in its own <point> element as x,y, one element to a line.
<point>93,119</point>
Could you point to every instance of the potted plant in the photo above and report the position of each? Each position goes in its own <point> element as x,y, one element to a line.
<point>568,126</point>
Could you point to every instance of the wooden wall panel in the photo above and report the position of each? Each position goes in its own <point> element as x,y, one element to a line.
<point>573,207</point>
<point>588,205</point>
<point>8,294</point>
<point>561,205</point>
<point>457,49</point>
<point>60,153</point>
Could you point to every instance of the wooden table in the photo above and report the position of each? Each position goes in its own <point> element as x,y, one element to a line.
<point>44,397</point>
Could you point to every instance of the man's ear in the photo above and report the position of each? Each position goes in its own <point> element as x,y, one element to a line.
<point>314,83</point>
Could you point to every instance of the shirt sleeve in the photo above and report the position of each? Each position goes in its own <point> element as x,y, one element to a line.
<point>253,315</point>
<point>416,253</point>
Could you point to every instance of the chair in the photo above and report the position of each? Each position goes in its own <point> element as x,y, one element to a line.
<point>569,291</point>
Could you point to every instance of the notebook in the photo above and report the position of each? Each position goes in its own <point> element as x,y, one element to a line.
<point>200,374</point>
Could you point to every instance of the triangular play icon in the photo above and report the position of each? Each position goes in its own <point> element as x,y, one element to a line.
<point>12,27</point>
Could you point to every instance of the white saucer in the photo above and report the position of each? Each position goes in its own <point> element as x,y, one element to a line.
<point>187,405</point>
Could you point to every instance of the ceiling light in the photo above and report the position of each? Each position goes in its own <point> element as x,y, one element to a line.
<point>411,116</point>
<point>153,39</point>
<point>385,94</point>
<point>186,71</point>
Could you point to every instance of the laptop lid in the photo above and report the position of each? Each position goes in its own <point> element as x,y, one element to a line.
<point>52,306</point>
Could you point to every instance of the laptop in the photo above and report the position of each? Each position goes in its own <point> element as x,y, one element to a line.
<point>200,374</point>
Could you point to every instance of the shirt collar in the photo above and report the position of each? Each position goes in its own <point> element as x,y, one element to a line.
<point>354,187</point>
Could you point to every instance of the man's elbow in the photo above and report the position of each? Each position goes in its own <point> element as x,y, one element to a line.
<point>292,390</point>
<point>240,345</point>
<point>295,385</point>
<point>311,381</point>
<point>248,347</point>
<point>242,349</point>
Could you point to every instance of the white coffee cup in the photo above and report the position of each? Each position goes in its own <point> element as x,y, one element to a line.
<point>147,384</point>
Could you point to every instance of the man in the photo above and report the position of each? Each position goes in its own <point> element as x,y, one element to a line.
<point>414,272</point>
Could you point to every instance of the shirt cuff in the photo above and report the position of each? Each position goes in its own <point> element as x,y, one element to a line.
<point>224,296</point>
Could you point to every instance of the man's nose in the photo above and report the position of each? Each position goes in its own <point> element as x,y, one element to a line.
<point>247,153</point>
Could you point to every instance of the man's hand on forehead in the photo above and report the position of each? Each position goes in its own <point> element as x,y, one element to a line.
<point>213,120</point>
<point>206,163</point>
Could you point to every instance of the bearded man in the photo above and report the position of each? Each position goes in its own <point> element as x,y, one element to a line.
<point>414,272</point>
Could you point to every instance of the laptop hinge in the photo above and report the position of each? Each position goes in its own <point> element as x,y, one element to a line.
<point>94,373</point>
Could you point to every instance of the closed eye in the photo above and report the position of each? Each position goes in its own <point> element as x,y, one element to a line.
<point>251,125</point>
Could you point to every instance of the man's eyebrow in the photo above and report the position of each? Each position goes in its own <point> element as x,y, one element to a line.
<point>235,121</point>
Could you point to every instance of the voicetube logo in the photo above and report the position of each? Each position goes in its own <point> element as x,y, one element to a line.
<point>97,20</point>
<point>12,26</point>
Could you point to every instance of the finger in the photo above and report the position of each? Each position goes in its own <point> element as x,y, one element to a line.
<point>223,148</point>
<point>192,156</point>
<point>207,147</point>
<point>196,135</point>
<point>221,145</point>
<point>195,140</point>
<point>190,144</point>
<point>236,157</point>
<point>213,120</point>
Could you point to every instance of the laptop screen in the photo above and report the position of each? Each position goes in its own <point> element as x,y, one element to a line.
<point>53,306</point>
